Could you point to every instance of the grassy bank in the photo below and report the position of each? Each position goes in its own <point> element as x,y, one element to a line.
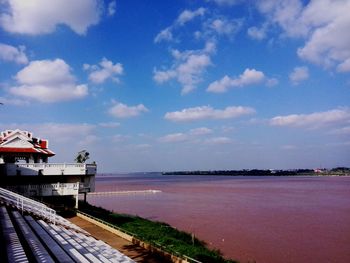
<point>157,233</point>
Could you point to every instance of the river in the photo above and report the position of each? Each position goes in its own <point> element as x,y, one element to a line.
<point>261,219</point>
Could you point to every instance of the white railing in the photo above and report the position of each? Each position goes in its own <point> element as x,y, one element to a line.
<point>34,169</point>
<point>54,186</point>
<point>53,189</point>
<point>25,204</point>
<point>48,165</point>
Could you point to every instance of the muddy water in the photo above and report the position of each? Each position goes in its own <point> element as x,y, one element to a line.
<point>262,219</point>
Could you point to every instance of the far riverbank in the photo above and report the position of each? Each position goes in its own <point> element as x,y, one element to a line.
<point>339,171</point>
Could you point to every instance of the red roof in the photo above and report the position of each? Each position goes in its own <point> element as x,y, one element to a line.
<point>37,146</point>
<point>24,150</point>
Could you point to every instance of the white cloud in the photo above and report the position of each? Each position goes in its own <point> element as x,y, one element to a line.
<point>119,138</point>
<point>174,137</point>
<point>192,135</point>
<point>163,76</point>
<point>109,124</point>
<point>212,26</point>
<point>121,110</point>
<point>224,26</point>
<point>48,81</point>
<point>285,13</point>
<point>200,131</point>
<point>88,140</point>
<point>341,131</point>
<point>42,16</point>
<point>313,120</point>
<point>271,82</point>
<point>11,53</point>
<point>188,15</point>
<point>187,68</point>
<point>103,71</point>
<point>329,41</point>
<point>257,33</point>
<point>165,35</point>
<point>248,77</point>
<point>324,25</point>
<point>189,72</point>
<point>185,17</point>
<point>57,133</point>
<point>344,66</point>
<point>218,140</point>
<point>289,147</point>
<point>227,129</point>
<point>299,74</point>
<point>207,112</point>
<point>220,86</point>
<point>112,7</point>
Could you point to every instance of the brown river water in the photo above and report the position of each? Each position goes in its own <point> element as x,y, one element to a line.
<point>252,219</point>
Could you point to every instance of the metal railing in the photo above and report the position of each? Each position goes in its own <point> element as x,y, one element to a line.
<point>23,203</point>
<point>48,165</point>
<point>41,210</point>
<point>56,186</point>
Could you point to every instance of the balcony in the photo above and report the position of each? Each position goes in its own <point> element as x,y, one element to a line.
<point>47,169</point>
<point>57,189</point>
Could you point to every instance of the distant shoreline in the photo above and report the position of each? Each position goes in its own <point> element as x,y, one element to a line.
<point>255,172</point>
<point>276,173</point>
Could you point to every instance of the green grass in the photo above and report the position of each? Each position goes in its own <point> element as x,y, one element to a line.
<point>158,233</point>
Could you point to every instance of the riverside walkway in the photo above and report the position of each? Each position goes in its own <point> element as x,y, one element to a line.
<point>133,251</point>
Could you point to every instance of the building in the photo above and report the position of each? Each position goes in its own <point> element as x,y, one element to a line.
<point>24,168</point>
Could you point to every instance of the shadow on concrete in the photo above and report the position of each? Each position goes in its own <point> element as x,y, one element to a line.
<point>142,255</point>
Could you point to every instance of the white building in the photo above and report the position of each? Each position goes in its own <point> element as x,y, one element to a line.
<point>24,167</point>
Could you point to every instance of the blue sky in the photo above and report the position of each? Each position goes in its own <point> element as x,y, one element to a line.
<point>180,85</point>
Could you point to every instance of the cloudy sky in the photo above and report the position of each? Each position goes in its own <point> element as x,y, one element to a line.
<point>159,85</point>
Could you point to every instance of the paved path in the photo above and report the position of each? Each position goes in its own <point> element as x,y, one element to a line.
<point>133,251</point>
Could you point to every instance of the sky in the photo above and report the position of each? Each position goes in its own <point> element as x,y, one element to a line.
<point>157,85</point>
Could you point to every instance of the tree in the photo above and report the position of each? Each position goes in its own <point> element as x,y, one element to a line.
<point>82,156</point>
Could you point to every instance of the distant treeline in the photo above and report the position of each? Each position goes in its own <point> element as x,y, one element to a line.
<point>257,172</point>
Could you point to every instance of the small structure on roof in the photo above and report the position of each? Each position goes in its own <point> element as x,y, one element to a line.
<point>24,168</point>
<point>16,145</point>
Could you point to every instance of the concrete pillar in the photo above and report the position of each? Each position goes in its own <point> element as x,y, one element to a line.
<point>31,159</point>
<point>76,201</point>
<point>2,159</point>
